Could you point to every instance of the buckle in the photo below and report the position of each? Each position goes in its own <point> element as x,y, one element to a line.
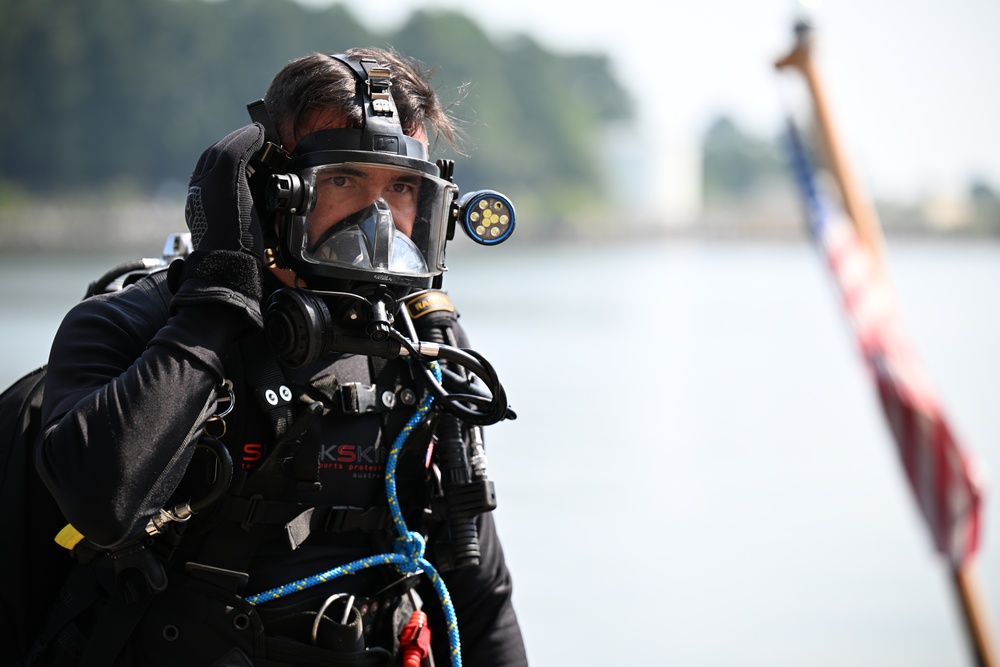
<point>230,580</point>
<point>346,518</point>
<point>357,398</point>
<point>378,83</point>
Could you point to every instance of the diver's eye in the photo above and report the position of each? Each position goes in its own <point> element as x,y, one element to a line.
<point>334,181</point>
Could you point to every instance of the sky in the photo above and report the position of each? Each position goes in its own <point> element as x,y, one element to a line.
<point>911,83</point>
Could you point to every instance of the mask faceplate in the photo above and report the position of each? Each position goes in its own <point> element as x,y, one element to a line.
<point>371,222</point>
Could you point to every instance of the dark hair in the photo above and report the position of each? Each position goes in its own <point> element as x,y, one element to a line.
<point>319,82</point>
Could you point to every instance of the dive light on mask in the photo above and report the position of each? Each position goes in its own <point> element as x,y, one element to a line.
<point>486,216</point>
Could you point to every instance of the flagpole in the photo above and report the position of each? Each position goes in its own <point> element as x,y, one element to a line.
<point>857,207</point>
<point>865,220</point>
<point>974,609</point>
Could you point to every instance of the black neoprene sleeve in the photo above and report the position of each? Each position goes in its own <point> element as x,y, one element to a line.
<point>491,636</point>
<point>128,390</point>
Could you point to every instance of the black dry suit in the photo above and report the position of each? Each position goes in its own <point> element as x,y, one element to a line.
<point>133,383</point>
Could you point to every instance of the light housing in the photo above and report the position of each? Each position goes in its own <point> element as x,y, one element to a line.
<point>486,216</point>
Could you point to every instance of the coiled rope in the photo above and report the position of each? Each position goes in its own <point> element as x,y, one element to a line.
<point>408,557</point>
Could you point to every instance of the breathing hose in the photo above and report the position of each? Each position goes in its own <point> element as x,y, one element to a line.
<point>453,460</point>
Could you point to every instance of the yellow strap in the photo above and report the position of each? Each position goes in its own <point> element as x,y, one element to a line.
<point>69,537</point>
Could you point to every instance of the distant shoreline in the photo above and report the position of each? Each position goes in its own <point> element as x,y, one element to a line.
<point>140,228</point>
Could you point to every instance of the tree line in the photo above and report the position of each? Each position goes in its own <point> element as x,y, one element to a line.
<point>111,96</point>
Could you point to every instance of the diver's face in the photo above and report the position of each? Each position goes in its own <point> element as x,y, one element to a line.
<point>342,190</point>
<point>341,194</point>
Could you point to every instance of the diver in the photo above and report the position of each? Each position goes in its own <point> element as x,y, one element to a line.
<point>271,452</point>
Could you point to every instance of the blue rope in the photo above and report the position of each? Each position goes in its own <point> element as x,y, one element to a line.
<point>409,547</point>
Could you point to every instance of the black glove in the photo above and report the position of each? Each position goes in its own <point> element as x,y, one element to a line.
<point>228,258</point>
<point>219,209</point>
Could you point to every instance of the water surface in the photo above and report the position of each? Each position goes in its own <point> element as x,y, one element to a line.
<point>699,474</point>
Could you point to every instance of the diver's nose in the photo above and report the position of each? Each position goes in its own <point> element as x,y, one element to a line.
<point>375,192</point>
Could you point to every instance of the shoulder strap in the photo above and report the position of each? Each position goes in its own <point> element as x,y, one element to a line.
<point>264,374</point>
<point>33,564</point>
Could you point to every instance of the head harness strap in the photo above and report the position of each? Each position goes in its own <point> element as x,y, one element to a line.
<point>381,129</point>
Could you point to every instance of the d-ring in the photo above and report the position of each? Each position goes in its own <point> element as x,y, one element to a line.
<point>322,610</point>
<point>228,386</point>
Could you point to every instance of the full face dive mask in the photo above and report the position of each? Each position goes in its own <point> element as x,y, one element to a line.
<point>362,212</point>
<point>368,222</point>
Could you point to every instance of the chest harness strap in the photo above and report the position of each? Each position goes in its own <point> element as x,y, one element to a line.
<point>256,507</point>
<point>408,555</point>
<point>264,374</point>
<point>230,545</point>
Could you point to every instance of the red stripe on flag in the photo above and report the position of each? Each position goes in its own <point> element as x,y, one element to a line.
<point>943,479</point>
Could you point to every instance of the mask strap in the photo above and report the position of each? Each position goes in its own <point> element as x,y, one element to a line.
<point>271,154</point>
<point>259,114</point>
<point>382,130</point>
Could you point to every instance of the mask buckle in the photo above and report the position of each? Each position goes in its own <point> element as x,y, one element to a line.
<point>378,82</point>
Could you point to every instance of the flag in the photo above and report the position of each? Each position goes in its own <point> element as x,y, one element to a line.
<point>946,481</point>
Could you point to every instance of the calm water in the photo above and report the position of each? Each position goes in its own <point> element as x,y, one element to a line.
<point>699,474</point>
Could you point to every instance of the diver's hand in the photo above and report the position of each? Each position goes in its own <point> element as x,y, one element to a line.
<point>219,208</point>
<point>227,262</point>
